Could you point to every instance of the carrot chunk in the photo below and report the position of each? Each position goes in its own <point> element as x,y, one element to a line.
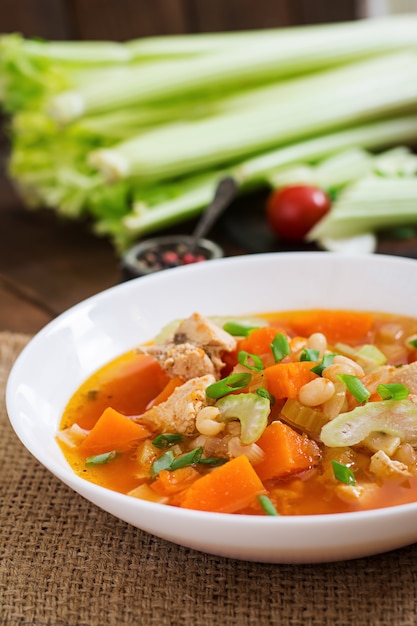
<point>169,388</point>
<point>227,489</point>
<point>284,380</point>
<point>259,340</point>
<point>113,431</point>
<point>169,482</point>
<point>286,452</point>
<point>337,325</point>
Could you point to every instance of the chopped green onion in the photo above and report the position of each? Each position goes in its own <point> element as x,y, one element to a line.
<point>189,458</point>
<point>343,473</point>
<point>267,505</point>
<point>325,362</point>
<point>264,393</point>
<point>165,440</point>
<point>393,391</point>
<point>309,355</point>
<point>251,361</point>
<point>413,342</point>
<point>237,329</point>
<point>100,459</point>
<point>162,462</point>
<point>234,382</point>
<point>355,386</point>
<point>214,461</point>
<point>280,347</point>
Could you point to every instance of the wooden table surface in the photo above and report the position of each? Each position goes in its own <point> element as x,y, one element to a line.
<point>47,264</point>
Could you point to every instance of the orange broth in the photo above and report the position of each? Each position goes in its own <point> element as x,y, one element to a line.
<point>132,381</point>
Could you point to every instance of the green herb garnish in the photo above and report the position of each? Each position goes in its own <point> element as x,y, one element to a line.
<point>238,329</point>
<point>280,347</point>
<point>214,461</point>
<point>234,382</point>
<point>251,361</point>
<point>309,355</point>
<point>189,458</point>
<point>100,459</point>
<point>264,393</point>
<point>343,473</point>
<point>393,391</point>
<point>325,362</point>
<point>267,505</point>
<point>165,440</point>
<point>162,462</point>
<point>355,386</point>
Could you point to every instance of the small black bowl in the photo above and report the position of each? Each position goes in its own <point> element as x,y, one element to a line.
<point>162,253</point>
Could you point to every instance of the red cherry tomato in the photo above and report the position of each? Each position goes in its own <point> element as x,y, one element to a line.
<point>292,211</point>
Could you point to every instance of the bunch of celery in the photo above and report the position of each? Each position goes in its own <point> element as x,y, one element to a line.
<point>136,135</point>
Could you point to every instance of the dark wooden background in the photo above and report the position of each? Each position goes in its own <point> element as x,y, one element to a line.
<point>47,265</point>
<point>125,19</point>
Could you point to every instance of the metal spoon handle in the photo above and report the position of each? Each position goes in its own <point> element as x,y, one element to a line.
<point>225,192</point>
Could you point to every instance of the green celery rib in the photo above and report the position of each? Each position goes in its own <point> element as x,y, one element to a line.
<point>268,58</point>
<point>374,135</point>
<point>371,204</point>
<point>268,117</point>
<point>77,52</point>
<point>190,200</point>
<point>381,35</point>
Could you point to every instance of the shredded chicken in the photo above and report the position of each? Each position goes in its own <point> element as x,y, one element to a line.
<point>178,413</point>
<point>383,467</point>
<point>195,349</point>
<point>184,360</point>
<point>406,375</point>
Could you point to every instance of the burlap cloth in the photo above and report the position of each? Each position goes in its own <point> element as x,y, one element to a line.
<point>65,562</point>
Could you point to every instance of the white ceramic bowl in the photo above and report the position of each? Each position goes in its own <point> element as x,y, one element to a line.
<point>78,342</point>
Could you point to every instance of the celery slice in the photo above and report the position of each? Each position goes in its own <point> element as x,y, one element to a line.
<point>397,418</point>
<point>250,409</point>
<point>303,418</point>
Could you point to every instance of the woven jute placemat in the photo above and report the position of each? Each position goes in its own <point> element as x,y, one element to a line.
<point>64,562</point>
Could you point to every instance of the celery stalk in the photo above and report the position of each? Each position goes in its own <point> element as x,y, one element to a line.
<point>268,57</point>
<point>191,197</point>
<point>266,117</point>
<point>371,204</point>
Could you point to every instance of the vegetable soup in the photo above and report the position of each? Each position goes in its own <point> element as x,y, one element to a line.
<point>286,413</point>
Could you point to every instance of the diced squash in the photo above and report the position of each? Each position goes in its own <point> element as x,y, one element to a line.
<point>284,380</point>
<point>286,452</point>
<point>336,325</point>
<point>169,388</point>
<point>113,431</point>
<point>259,340</point>
<point>169,482</point>
<point>227,489</point>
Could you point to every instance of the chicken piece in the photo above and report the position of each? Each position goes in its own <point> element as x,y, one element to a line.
<point>406,375</point>
<point>178,413</point>
<point>195,349</point>
<point>184,360</point>
<point>384,467</point>
<point>203,333</point>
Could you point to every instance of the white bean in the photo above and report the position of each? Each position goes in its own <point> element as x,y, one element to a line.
<point>316,392</point>
<point>317,341</point>
<point>331,372</point>
<point>206,422</point>
<point>339,358</point>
